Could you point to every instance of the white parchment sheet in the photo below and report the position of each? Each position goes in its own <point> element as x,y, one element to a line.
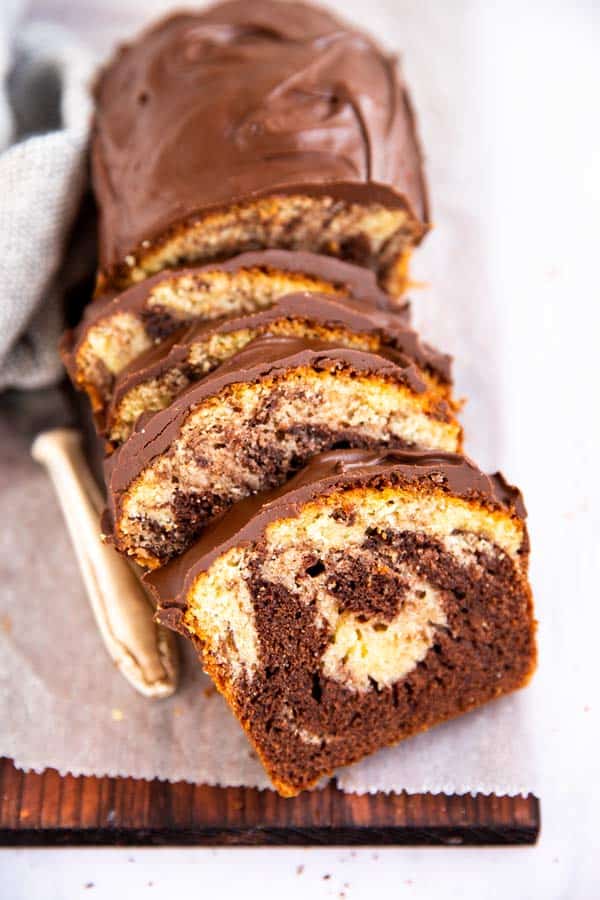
<point>526,369</point>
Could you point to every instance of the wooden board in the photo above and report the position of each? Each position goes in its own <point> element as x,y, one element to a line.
<point>49,810</point>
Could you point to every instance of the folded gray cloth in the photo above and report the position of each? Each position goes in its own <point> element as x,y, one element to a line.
<point>45,109</point>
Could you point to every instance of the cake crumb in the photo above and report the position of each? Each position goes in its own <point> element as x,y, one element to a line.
<point>6,624</point>
<point>209,691</point>
<point>299,869</point>
<point>88,885</point>
<point>117,715</point>
<point>326,877</point>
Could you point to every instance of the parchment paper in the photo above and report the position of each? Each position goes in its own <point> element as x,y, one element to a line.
<point>62,703</point>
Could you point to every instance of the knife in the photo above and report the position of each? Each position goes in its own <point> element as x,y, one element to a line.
<point>145,653</point>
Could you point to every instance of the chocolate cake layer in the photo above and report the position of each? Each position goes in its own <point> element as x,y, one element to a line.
<point>119,327</point>
<point>251,125</point>
<point>155,378</point>
<point>252,421</point>
<point>371,597</point>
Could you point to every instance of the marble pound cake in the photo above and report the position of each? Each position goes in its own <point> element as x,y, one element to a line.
<point>118,327</point>
<point>155,378</point>
<point>248,424</point>
<point>372,597</point>
<point>255,125</point>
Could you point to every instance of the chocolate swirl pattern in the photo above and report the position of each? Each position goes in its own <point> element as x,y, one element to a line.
<point>372,597</point>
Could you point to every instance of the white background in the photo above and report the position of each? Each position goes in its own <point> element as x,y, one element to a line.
<point>516,194</point>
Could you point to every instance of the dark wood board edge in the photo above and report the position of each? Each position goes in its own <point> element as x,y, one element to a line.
<point>49,810</point>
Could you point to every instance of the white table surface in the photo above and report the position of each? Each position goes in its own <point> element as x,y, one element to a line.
<point>538,203</point>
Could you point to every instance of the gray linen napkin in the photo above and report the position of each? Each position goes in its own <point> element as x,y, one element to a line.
<point>45,109</point>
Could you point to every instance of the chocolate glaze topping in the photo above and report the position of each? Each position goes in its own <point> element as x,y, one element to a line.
<point>261,358</point>
<point>247,520</point>
<point>242,100</point>
<point>355,314</point>
<point>353,280</point>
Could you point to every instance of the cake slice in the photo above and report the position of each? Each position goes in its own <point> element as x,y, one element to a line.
<point>117,328</point>
<point>255,125</point>
<point>155,378</point>
<point>251,422</point>
<point>372,597</point>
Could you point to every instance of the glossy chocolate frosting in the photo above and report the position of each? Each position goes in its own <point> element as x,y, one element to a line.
<point>245,99</point>
<point>262,357</point>
<point>246,521</point>
<point>355,314</point>
<point>353,280</point>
